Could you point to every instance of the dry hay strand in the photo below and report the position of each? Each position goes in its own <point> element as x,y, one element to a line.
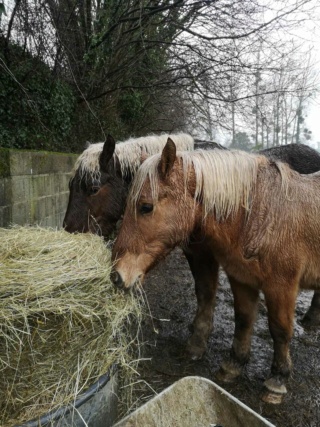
<point>62,323</point>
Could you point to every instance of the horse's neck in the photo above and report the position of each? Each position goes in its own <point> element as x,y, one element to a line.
<point>227,242</point>
<point>223,234</point>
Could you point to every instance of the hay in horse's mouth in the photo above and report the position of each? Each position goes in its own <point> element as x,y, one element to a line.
<point>62,323</point>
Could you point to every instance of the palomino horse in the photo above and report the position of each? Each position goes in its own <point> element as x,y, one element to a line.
<point>238,210</point>
<point>101,176</point>
<point>99,186</point>
<point>303,159</point>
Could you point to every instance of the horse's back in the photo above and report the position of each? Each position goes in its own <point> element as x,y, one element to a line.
<point>300,157</point>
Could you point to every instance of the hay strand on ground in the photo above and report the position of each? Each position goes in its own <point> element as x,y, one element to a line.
<point>62,324</point>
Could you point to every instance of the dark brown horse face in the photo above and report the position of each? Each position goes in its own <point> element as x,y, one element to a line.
<point>95,206</point>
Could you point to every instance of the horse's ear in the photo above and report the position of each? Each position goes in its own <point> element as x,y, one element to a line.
<point>107,153</point>
<point>168,157</point>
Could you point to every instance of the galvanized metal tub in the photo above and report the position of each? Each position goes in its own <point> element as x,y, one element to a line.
<point>194,402</point>
<point>96,407</point>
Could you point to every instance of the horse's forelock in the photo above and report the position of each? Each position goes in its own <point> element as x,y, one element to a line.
<point>147,171</point>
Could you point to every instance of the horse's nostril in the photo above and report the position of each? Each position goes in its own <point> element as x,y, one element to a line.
<point>116,279</point>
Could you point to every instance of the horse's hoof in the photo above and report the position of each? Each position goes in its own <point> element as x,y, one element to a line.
<point>194,353</point>
<point>272,398</point>
<point>224,376</point>
<point>228,372</point>
<point>274,391</point>
<point>275,385</point>
<point>196,347</point>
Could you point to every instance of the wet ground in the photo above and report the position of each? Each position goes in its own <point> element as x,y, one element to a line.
<point>170,292</point>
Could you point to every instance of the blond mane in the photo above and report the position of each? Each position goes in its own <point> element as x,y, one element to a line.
<point>224,179</point>
<point>128,153</point>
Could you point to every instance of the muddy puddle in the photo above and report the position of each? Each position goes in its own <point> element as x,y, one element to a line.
<point>170,292</point>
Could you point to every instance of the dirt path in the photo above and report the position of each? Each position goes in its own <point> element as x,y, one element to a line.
<point>170,292</point>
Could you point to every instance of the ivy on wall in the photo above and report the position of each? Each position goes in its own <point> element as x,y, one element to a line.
<point>36,110</point>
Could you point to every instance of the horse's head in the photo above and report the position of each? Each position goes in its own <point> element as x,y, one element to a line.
<point>96,200</point>
<point>159,215</point>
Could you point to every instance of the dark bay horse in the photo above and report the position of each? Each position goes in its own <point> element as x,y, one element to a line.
<point>237,210</point>
<point>101,177</point>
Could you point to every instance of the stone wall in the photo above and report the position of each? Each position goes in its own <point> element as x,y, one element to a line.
<point>34,187</point>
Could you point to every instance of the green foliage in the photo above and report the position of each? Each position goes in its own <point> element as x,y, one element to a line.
<point>131,107</point>
<point>4,162</point>
<point>125,61</point>
<point>35,109</point>
<point>117,55</point>
<point>307,134</point>
<point>2,9</point>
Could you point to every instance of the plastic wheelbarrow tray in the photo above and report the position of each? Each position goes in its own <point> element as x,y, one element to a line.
<point>194,402</point>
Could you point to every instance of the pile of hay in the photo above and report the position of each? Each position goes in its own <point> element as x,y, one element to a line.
<point>62,324</point>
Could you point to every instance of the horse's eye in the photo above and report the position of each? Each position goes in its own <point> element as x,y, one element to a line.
<point>94,190</point>
<point>145,208</point>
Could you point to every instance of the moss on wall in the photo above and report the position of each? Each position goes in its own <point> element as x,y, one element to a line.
<point>4,162</point>
<point>34,187</point>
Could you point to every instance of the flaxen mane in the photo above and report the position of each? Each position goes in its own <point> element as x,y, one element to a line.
<point>224,179</point>
<point>128,153</point>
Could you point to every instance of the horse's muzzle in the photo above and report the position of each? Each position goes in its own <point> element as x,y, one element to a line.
<point>121,283</point>
<point>116,279</point>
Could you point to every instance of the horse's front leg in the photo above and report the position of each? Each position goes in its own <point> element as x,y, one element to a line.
<point>280,302</point>
<point>312,316</point>
<point>204,269</point>
<point>245,309</point>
